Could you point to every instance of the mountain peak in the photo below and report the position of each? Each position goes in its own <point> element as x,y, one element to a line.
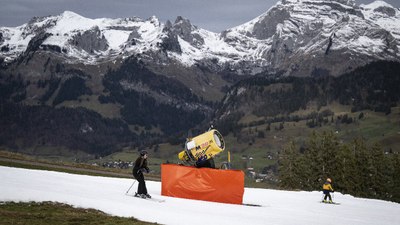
<point>154,20</point>
<point>182,22</point>
<point>381,8</point>
<point>344,2</point>
<point>180,19</point>
<point>69,14</point>
<point>376,4</point>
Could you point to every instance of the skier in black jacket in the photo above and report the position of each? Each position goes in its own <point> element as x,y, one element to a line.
<point>138,169</point>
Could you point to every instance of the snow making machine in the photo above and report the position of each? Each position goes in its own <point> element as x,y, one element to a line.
<point>208,184</point>
<point>202,147</point>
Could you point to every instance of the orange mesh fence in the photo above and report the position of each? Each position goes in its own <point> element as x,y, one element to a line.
<point>226,186</point>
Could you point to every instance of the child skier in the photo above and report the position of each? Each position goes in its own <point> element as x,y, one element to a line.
<point>138,169</point>
<point>327,189</point>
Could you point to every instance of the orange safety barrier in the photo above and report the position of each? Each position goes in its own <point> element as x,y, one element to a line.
<point>226,186</point>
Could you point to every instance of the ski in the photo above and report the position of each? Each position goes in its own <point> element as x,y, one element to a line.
<point>153,199</point>
<point>250,204</point>
<point>149,199</point>
<point>331,203</point>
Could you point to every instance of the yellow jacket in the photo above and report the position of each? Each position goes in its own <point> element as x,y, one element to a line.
<point>327,186</point>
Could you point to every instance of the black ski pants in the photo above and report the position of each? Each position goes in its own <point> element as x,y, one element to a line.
<point>142,185</point>
<point>327,195</point>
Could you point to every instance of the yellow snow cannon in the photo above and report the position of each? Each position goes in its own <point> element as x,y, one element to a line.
<point>202,147</point>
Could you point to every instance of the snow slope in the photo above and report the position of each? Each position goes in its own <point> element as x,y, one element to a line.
<point>108,195</point>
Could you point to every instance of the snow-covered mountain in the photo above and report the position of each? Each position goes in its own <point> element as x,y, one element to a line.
<point>297,37</point>
<point>108,195</point>
<point>303,36</point>
<point>80,38</point>
<point>93,41</point>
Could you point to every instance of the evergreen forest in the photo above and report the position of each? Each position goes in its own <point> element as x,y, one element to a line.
<point>355,168</point>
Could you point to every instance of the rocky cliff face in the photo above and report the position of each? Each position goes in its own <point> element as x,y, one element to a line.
<point>90,41</point>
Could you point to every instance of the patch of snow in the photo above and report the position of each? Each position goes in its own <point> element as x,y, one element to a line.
<point>375,5</point>
<point>108,195</point>
<point>241,90</point>
<point>116,38</point>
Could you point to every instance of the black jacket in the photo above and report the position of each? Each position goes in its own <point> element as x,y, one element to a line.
<point>209,163</point>
<point>140,165</point>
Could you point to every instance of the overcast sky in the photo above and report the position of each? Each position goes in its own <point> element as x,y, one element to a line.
<point>213,15</point>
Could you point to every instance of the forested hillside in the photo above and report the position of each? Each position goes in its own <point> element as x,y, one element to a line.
<point>149,99</point>
<point>373,87</point>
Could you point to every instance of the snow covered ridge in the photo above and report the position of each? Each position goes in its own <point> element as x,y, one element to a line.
<point>81,38</point>
<point>108,195</point>
<point>295,36</point>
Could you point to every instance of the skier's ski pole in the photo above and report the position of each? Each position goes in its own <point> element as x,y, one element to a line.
<point>130,187</point>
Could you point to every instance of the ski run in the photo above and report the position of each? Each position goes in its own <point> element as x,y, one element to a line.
<point>109,195</point>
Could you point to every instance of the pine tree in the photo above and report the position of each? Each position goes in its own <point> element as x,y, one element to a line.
<point>396,177</point>
<point>364,166</point>
<point>388,172</point>
<point>289,162</point>
<point>345,169</point>
<point>377,178</point>
<point>315,162</point>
